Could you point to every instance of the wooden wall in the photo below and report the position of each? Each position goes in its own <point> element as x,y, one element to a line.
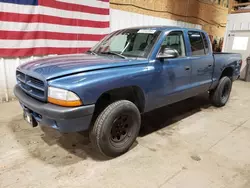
<point>207,13</point>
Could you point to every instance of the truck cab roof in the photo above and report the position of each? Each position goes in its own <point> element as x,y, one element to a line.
<point>164,28</point>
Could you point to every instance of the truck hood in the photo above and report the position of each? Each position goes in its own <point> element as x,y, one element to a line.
<point>57,66</point>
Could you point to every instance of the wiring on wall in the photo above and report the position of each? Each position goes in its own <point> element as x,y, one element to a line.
<point>172,13</point>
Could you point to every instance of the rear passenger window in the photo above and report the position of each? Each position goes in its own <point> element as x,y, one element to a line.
<point>205,42</point>
<point>196,43</point>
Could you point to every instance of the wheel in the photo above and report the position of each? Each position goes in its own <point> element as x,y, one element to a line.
<point>116,128</point>
<point>220,95</point>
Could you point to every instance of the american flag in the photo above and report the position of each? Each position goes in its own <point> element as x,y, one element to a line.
<point>42,27</point>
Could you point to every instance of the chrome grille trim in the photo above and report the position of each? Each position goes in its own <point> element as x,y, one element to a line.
<point>31,85</point>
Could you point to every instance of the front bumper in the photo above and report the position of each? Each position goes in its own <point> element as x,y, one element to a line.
<point>64,119</point>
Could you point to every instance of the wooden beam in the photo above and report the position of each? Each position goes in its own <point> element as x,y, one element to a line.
<point>241,4</point>
<point>221,3</point>
<point>230,6</point>
<point>240,11</point>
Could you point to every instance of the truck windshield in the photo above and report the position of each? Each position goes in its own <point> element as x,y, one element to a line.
<point>127,43</point>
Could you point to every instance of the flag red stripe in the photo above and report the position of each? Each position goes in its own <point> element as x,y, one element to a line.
<point>28,35</point>
<point>38,18</point>
<point>39,51</point>
<point>73,7</point>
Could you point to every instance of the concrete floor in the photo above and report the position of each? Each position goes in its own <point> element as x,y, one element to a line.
<point>186,145</point>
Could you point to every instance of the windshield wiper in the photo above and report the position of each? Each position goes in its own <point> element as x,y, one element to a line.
<point>114,53</point>
<point>92,52</point>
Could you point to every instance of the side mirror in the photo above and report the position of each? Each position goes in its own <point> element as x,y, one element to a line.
<point>168,53</point>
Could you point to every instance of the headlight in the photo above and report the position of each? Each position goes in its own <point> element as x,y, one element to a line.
<point>63,97</point>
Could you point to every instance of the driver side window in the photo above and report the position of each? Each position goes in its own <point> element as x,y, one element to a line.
<point>174,40</point>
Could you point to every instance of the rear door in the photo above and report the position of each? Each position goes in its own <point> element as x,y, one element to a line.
<point>202,61</point>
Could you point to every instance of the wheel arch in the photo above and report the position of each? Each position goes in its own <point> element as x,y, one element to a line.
<point>131,93</point>
<point>228,71</point>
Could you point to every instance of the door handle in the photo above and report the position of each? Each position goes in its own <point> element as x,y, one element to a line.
<point>187,68</point>
<point>209,65</point>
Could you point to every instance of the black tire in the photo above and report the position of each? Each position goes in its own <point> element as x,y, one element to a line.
<point>116,128</point>
<point>221,94</point>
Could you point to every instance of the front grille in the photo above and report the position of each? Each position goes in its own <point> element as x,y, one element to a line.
<point>36,82</point>
<point>20,76</point>
<point>30,85</point>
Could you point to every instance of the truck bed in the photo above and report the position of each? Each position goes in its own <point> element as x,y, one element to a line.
<point>222,60</point>
<point>221,53</point>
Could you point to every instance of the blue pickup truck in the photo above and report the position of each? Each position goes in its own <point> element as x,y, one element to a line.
<point>130,72</point>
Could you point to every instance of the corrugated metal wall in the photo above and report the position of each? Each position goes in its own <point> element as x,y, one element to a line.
<point>118,20</point>
<point>7,76</point>
<point>238,22</point>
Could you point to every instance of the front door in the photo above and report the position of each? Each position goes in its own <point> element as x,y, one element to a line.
<point>173,74</point>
